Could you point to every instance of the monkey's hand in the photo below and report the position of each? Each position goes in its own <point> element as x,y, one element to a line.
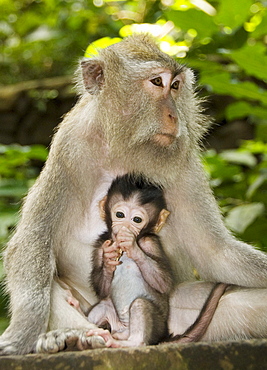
<point>110,256</point>
<point>67,339</point>
<point>126,240</point>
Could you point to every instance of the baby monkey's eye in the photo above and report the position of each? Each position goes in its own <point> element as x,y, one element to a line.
<point>120,215</point>
<point>157,81</point>
<point>137,220</point>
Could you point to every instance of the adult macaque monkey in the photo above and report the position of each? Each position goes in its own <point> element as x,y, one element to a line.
<point>131,273</point>
<point>137,113</point>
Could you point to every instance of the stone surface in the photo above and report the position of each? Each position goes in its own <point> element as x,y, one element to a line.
<point>243,355</point>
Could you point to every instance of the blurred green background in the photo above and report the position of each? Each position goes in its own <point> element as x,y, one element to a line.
<point>224,41</point>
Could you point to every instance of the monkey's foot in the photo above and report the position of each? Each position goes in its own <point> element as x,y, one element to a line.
<point>67,339</point>
<point>7,347</point>
<point>121,335</point>
<point>105,334</point>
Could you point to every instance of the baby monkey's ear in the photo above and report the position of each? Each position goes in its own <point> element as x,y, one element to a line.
<point>161,220</point>
<point>101,205</point>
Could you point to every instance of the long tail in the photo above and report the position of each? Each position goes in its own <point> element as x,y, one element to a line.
<point>196,331</point>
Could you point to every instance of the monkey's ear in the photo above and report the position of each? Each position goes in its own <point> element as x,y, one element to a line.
<point>102,204</point>
<point>93,75</point>
<point>161,220</point>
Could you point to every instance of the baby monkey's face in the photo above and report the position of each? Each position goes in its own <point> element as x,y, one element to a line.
<point>130,215</point>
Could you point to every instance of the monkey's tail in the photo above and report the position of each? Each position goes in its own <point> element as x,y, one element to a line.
<point>196,331</point>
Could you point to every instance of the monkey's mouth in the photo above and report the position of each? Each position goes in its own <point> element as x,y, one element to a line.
<point>164,139</point>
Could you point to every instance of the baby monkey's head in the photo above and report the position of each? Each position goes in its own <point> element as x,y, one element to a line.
<point>135,203</point>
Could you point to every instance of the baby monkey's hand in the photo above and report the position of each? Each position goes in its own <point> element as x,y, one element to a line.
<point>111,255</point>
<point>126,240</point>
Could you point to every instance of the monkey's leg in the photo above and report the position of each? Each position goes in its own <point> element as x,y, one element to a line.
<point>147,326</point>
<point>68,327</point>
<point>104,315</point>
<point>14,339</point>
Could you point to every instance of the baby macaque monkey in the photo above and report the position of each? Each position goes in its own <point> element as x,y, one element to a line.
<point>131,273</point>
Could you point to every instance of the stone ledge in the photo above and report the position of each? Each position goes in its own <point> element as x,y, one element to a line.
<point>224,355</point>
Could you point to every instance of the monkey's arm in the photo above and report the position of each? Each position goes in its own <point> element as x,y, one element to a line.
<point>104,264</point>
<point>149,256</point>
<point>153,263</point>
<point>30,265</point>
<point>196,237</point>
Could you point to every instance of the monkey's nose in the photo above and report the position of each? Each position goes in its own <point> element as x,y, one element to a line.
<point>173,118</point>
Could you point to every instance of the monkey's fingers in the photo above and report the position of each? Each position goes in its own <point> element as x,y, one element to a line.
<point>67,339</point>
<point>114,263</point>
<point>105,334</point>
<point>111,248</point>
<point>127,244</point>
<point>110,256</point>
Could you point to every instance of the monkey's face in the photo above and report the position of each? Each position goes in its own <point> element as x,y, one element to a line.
<point>163,88</point>
<point>129,214</point>
<point>147,113</point>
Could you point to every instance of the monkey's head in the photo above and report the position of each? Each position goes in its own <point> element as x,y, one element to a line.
<point>134,203</point>
<point>145,99</point>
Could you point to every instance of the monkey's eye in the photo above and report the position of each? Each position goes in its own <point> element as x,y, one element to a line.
<point>157,81</point>
<point>175,85</point>
<point>137,220</point>
<point>120,215</point>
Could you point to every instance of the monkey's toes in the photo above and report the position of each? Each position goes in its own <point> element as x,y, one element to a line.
<point>7,348</point>
<point>67,339</point>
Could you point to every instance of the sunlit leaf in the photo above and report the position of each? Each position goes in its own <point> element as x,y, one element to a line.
<point>233,13</point>
<point>240,217</point>
<point>244,158</point>
<point>261,29</point>
<point>256,147</point>
<point>93,48</point>
<point>193,19</point>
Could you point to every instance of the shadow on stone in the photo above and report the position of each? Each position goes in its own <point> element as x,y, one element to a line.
<point>225,355</point>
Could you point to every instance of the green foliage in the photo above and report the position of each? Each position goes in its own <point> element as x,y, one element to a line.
<point>45,38</point>
<point>19,166</point>
<point>239,180</point>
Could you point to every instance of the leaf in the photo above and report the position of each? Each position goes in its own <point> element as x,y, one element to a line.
<point>243,158</point>
<point>7,220</point>
<point>257,183</point>
<point>193,19</point>
<point>261,29</point>
<point>233,13</point>
<point>222,84</point>
<point>256,147</point>
<point>242,109</point>
<point>93,48</point>
<point>253,59</point>
<point>240,217</point>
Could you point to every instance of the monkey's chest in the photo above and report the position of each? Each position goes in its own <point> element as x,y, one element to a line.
<point>127,285</point>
